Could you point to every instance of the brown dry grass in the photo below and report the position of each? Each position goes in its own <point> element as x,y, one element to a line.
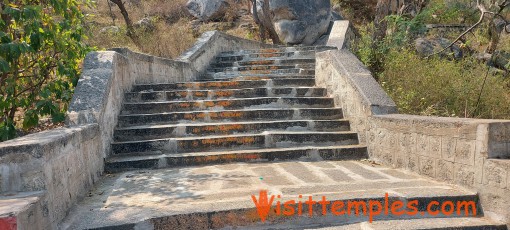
<point>174,30</point>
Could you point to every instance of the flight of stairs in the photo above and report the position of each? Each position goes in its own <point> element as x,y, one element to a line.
<point>257,105</point>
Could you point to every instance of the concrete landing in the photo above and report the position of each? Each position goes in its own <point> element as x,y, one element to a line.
<point>219,196</point>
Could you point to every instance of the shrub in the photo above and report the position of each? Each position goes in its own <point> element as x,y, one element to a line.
<point>41,49</point>
<point>444,88</point>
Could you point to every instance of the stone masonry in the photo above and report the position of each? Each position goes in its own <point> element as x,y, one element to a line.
<point>152,143</point>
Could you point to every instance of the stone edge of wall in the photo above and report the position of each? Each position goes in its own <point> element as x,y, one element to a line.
<point>34,166</point>
<point>456,150</point>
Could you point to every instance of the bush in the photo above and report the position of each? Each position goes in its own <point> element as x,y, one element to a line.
<point>433,86</point>
<point>444,88</point>
<point>40,53</point>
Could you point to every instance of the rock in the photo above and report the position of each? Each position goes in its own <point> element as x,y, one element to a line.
<point>295,22</point>
<point>426,47</point>
<point>207,10</point>
<point>110,30</point>
<point>500,60</point>
<point>145,24</point>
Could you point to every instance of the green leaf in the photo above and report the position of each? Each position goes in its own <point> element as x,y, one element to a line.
<point>7,130</point>
<point>58,117</point>
<point>35,41</point>
<point>30,120</point>
<point>4,66</point>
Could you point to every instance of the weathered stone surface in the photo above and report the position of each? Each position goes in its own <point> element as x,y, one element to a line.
<point>427,47</point>
<point>296,22</point>
<point>223,192</point>
<point>206,10</point>
<point>65,162</point>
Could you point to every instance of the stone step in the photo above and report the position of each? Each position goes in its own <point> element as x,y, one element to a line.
<point>147,132</point>
<point>230,115</point>
<point>228,104</point>
<point>261,68</point>
<point>286,82</point>
<point>280,139</point>
<point>221,195</point>
<point>263,71</point>
<point>233,57</point>
<point>252,77</point>
<point>180,95</point>
<point>246,62</point>
<point>308,153</point>
<point>459,223</point>
<point>282,49</point>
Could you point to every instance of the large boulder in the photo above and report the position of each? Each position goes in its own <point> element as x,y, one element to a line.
<point>429,46</point>
<point>207,10</point>
<point>295,21</point>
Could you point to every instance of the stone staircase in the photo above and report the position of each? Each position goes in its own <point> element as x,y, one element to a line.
<point>190,155</point>
<point>257,105</point>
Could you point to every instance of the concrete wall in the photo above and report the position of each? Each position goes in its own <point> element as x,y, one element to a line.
<point>455,150</point>
<point>44,174</point>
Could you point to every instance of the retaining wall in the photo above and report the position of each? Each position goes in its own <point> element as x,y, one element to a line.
<point>473,153</point>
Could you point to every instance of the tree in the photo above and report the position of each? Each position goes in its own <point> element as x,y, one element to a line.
<point>129,24</point>
<point>41,48</point>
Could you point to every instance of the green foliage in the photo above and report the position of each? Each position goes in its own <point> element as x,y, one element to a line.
<point>402,31</point>
<point>444,88</point>
<point>435,87</point>
<point>41,48</point>
<point>450,12</point>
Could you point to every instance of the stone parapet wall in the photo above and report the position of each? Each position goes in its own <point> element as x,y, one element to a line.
<point>61,164</point>
<point>473,153</point>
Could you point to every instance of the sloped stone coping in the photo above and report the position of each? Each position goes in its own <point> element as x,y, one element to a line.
<point>474,153</point>
<point>62,164</point>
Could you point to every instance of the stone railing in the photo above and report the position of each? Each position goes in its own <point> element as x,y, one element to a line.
<point>46,173</point>
<point>473,153</point>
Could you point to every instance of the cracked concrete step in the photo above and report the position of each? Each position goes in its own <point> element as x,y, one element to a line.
<point>220,196</point>
<point>181,95</point>
<point>287,82</point>
<point>459,223</point>
<point>280,61</point>
<point>147,132</point>
<point>160,160</point>
<point>228,104</point>
<point>230,115</point>
<point>238,141</point>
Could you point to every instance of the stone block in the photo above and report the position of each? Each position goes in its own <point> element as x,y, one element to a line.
<point>434,147</point>
<point>445,170</point>
<point>465,152</point>
<point>448,148</point>
<point>427,166</point>
<point>496,172</point>
<point>499,132</point>
<point>464,175</point>
<point>422,142</point>
<point>413,163</point>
